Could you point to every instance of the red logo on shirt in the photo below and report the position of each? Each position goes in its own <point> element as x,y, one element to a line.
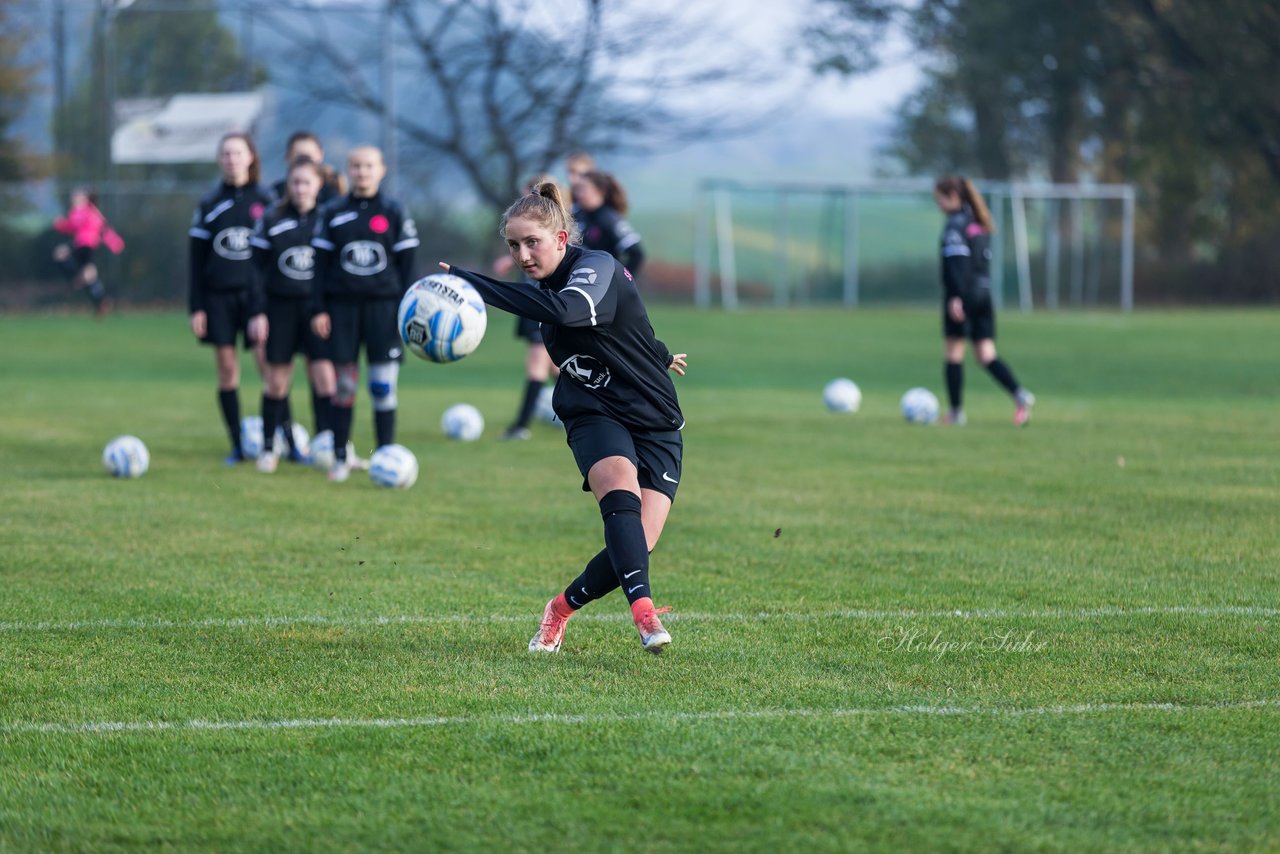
<point>256,210</point>
<point>378,224</point>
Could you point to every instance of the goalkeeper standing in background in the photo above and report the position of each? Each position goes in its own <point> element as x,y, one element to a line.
<point>966,307</point>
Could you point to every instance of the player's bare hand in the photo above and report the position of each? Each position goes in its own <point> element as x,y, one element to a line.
<point>322,325</point>
<point>445,267</point>
<point>679,363</point>
<point>955,308</point>
<point>258,328</point>
<point>199,323</point>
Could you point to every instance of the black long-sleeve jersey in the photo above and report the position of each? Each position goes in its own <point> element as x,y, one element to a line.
<point>597,330</point>
<point>966,255</point>
<point>221,257</point>
<point>607,230</point>
<point>364,247</point>
<point>283,252</point>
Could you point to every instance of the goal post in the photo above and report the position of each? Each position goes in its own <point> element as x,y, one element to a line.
<point>788,243</point>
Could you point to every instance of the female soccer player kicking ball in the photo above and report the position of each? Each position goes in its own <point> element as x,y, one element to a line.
<point>614,394</point>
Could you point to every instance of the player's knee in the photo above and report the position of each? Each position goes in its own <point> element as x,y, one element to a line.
<point>383,377</point>
<point>348,380</point>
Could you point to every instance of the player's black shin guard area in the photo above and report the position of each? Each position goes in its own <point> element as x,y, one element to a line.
<point>229,403</point>
<point>320,411</point>
<point>531,390</point>
<point>1003,375</point>
<point>955,384</point>
<point>624,540</point>
<point>274,415</point>
<point>341,416</point>
<point>594,582</point>
<point>384,427</point>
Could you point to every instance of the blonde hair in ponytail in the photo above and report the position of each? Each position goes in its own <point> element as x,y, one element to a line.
<point>543,204</point>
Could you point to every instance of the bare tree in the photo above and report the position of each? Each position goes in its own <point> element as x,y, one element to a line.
<point>503,88</point>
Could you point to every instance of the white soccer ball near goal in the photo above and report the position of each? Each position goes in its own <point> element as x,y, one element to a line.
<point>463,422</point>
<point>842,395</point>
<point>920,406</point>
<point>393,467</point>
<point>126,456</point>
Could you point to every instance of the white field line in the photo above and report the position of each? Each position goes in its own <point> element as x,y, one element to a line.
<point>102,727</point>
<point>1106,611</point>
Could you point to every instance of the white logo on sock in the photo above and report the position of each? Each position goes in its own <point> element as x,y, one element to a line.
<point>634,589</point>
<point>629,574</point>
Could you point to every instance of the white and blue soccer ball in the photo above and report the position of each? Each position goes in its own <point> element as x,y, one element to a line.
<point>920,406</point>
<point>251,437</point>
<point>842,395</point>
<point>463,422</point>
<point>320,450</point>
<point>542,408</point>
<point>126,456</point>
<point>393,467</point>
<point>442,318</point>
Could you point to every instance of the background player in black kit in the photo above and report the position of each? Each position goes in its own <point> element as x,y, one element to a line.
<point>967,306</point>
<point>305,145</point>
<point>282,248</point>
<point>364,262</point>
<point>601,216</point>
<point>614,395</point>
<point>224,297</point>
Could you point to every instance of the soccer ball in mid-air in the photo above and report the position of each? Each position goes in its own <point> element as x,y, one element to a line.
<point>463,422</point>
<point>842,395</point>
<point>394,467</point>
<point>126,456</point>
<point>251,438</point>
<point>543,408</point>
<point>920,406</point>
<point>442,318</point>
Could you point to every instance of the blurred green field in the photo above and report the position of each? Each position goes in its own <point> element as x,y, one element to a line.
<point>1062,637</point>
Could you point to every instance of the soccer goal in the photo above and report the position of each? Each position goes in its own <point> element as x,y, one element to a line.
<point>783,244</point>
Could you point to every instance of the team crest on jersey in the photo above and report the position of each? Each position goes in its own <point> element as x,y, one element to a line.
<point>233,243</point>
<point>364,258</point>
<point>589,371</point>
<point>298,262</point>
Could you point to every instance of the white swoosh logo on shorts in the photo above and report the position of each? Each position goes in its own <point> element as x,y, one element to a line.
<point>668,478</point>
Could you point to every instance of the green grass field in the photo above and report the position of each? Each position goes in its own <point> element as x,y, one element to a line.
<point>890,637</point>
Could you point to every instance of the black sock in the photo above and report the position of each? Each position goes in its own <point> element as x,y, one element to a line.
<point>624,540</point>
<point>531,390</point>
<point>955,384</point>
<point>286,421</point>
<point>342,416</point>
<point>596,581</point>
<point>1003,375</point>
<point>229,401</point>
<point>320,406</point>
<point>271,419</point>
<point>384,426</point>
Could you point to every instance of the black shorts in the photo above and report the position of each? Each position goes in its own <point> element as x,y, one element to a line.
<point>979,319</point>
<point>529,330</point>
<point>82,256</point>
<point>228,313</point>
<point>361,320</point>
<point>289,331</point>
<point>656,455</point>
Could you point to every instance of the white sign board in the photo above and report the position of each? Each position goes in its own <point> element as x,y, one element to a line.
<point>181,128</point>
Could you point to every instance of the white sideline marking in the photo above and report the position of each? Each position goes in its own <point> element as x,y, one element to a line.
<point>98,727</point>
<point>692,616</point>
